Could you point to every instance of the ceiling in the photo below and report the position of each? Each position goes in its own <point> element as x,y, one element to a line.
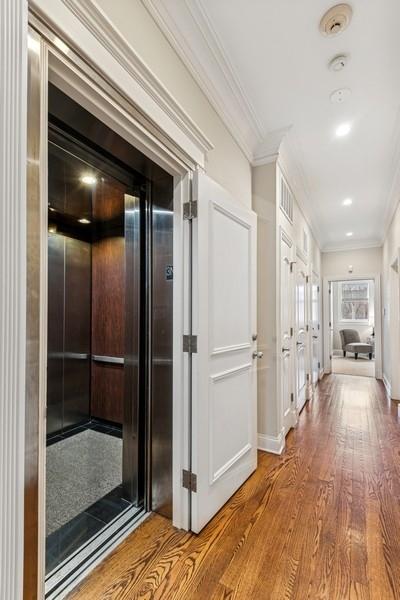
<point>264,67</point>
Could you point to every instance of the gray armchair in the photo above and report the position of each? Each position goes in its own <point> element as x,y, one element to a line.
<point>351,343</point>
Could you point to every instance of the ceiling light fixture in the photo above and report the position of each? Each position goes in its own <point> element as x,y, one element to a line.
<point>347,202</point>
<point>349,233</point>
<point>88,179</point>
<point>343,129</point>
<point>84,221</point>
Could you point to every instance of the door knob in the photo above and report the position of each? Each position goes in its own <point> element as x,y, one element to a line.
<point>258,354</point>
<point>254,337</point>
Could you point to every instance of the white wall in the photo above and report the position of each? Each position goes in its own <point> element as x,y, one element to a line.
<point>226,163</point>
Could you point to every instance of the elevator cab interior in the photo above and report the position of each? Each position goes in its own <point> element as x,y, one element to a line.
<point>110,332</point>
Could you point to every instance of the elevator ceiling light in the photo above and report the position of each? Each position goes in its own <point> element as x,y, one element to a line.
<point>347,202</point>
<point>84,221</point>
<point>88,179</point>
<point>343,129</point>
<point>349,233</point>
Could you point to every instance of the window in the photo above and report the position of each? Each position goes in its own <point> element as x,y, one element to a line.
<point>354,301</point>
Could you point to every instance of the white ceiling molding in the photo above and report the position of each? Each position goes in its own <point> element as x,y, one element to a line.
<point>268,150</point>
<point>186,27</point>
<point>293,172</point>
<point>394,191</point>
<point>95,21</point>
<point>351,246</point>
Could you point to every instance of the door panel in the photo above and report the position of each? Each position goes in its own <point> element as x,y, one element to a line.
<point>224,432</point>
<point>286,345</point>
<point>301,338</point>
<point>315,327</point>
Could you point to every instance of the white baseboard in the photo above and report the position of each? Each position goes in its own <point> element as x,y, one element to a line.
<point>387,385</point>
<point>270,443</point>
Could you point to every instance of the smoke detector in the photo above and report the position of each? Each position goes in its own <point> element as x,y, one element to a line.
<point>338,62</point>
<point>336,19</point>
<point>339,96</point>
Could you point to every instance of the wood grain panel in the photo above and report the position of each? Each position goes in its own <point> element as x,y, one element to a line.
<point>108,391</point>
<point>108,326</point>
<point>322,521</point>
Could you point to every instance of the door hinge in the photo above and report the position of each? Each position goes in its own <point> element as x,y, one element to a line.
<point>308,377</point>
<point>318,289</point>
<point>291,332</point>
<point>318,326</point>
<point>189,480</point>
<point>330,291</point>
<point>291,265</point>
<point>190,210</point>
<point>190,344</point>
<point>307,328</point>
<point>307,279</point>
<point>319,365</point>
<point>292,397</point>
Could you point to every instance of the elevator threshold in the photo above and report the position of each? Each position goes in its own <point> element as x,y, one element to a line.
<point>67,575</point>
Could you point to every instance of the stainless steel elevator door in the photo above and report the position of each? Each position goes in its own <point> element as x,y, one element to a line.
<point>68,367</point>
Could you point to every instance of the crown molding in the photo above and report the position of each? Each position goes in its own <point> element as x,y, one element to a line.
<point>186,26</point>
<point>94,19</point>
<point>361,245</point>
<point>394,191</point>
<point>268,150</point>
<point>289,162</point>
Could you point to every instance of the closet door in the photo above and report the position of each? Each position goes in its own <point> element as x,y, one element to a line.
<point>224,419</point>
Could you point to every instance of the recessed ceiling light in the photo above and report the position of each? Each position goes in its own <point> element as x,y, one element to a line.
<point>88,179</point>
<point>347,202</point>
<point>84,221</point>
<point>343,129</point>
<point>349,233</point>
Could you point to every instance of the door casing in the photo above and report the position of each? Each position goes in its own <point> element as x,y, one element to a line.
<point>88,87</point>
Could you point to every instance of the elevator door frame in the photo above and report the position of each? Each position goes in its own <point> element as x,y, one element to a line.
<point>83,83</point>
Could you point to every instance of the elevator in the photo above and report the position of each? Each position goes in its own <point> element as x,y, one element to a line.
<point>109,337</point>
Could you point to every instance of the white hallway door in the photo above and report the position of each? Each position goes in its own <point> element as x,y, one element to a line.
<point>315,327</point>
<point>286,331</point>
<point>224,404</point>
<point>301,338</point>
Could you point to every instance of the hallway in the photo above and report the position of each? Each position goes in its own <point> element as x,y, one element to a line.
<point>321,521</point>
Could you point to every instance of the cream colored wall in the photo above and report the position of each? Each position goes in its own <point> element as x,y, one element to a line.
<point>225,163</point>
<point>390,302</point>
<point>264,204</point>
<point>270,219</point>
<point>366,261</point>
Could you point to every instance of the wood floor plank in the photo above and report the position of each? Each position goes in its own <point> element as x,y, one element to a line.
<point>319,522</point>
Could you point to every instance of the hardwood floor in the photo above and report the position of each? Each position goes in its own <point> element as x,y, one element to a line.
<point>322,521</point>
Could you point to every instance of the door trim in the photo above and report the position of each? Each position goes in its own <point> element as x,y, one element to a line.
<point>376,277</point>
<point>118,116</point>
